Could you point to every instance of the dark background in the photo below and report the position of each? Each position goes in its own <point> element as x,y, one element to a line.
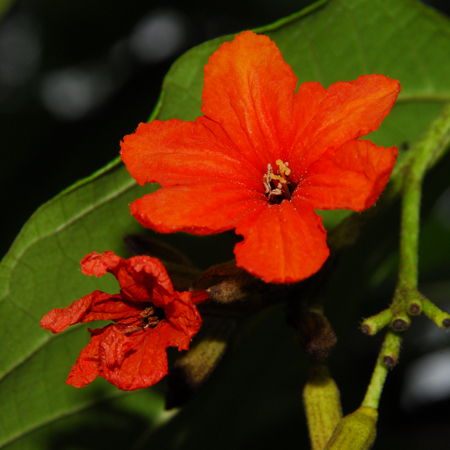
<point>76,76</point>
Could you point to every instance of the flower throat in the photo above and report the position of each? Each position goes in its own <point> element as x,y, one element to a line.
<point>278,187</point>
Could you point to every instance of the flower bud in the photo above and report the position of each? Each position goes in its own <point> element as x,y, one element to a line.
<point>357,431</point>
<point>322,405</point>
<point>374,324</point>
<point>234,292</point>
<point>193,368</point>
<point>439,317</point>
<point>227,283</point>
<point>314,334</point>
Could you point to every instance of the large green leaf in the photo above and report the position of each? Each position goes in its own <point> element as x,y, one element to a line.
<point>331,41</point>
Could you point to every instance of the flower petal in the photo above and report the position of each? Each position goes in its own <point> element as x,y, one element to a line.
<point>184,320</point>
<point>99,264</point>
<point>154,276</point>
<point>306,106</point>
<point>350,110</point>
<point>200,208</point>
<point>138,277</point>
<point>95,306</point>
<point>287,243</point>
<point>129,362</point>
<point>145,279</point>
<point>351,177</point>
<point>86,369</point>
<point>136,361</point>
<point>176,152</point>
<point>249,91</point>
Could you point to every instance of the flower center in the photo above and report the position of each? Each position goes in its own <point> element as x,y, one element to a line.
<point>149,318</point>
<point>278,186</point>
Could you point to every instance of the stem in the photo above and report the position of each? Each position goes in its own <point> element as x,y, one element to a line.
<point>407,299</point>
<point>427,151</point>
<point>374,324</point>
<point>387,358</point>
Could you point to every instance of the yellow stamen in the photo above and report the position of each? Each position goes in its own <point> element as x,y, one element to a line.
<point>278,177</point>
<point>277,184</point>
<point>283,168</point>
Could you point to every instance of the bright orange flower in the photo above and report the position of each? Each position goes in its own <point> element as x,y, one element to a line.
<point>149,316</point>
<point>262,158</point>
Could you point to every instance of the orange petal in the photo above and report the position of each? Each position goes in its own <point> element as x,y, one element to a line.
<point>350,110</point>
<point>99,264</point>
<point>184,320</point>
<point>137,276</point>
<point>175,152</point>
<point>140,366</point>
<point>86,369</point>
<point>95,306</point>
<point>351,177</point>
<point>287,243</point>
<point>306,105</point>
<point>249,91</point>
<point>145,279</point>
<point>200,208</point>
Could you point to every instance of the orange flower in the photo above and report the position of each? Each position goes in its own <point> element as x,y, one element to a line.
<point>149,316</point>
<point>262,158</point>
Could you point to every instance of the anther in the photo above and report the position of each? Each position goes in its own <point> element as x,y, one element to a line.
<point>277,184</point>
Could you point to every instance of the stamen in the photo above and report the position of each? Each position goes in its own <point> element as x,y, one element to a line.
<point>276,185</point>
<point>149,319</point>
<point>283,168</point>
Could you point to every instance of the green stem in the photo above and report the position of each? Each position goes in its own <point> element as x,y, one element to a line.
<point>427,150</point>
<point>407,299</point>
<point>387,358</point>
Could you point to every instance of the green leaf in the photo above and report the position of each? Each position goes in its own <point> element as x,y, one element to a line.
<point>332,41</point>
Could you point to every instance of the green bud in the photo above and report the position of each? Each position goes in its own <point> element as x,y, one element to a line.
<point>374,324</point>
<point>439,317</point>
<point>322,405</point>
<point>400,322</point>
<point>192,369</point>
<point>357,431</point>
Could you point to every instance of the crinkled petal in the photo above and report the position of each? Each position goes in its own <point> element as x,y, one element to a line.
<point>175,152</point>
<point>200,208</point>
<point>129,362</point>
<point>249,91</point>
<point>138,277</point>
<point>145,279</point>
<point>99,264</point>
<point>141,358</point>
<point>349,110</point>
<point>285,244</point>
<point>184,320</point>
<point>115,347</point>
<point>95,306</point>
<point>87,367</point>
<point>351,177</point>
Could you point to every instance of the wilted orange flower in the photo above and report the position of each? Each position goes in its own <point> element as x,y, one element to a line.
<point>262,158</point>
<point>148,317</point>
